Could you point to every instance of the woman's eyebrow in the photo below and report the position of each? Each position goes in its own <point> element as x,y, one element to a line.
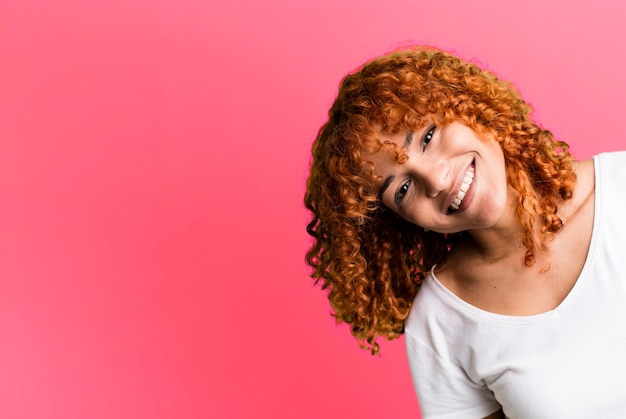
<point>409,138</point>
<point>386,184</point>
<point>407,143</point>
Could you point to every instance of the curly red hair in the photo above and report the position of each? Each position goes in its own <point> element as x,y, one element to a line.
<point>370,260</point>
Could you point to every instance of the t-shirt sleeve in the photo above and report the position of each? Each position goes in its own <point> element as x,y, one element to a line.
<point>443,389</point>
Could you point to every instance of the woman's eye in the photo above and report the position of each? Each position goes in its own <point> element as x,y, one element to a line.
<point>428,135</point>
<point>402,190</point>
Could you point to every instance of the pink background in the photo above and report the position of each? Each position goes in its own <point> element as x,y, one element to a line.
<point>153,155</point>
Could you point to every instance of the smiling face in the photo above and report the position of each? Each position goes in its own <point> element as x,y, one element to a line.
<point>452,180</point>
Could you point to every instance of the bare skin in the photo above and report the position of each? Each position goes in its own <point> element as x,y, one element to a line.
<point>499,283</point>
<point>498,280</point>
<point>486,268</point>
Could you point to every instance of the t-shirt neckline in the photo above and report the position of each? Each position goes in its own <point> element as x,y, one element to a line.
<point>569,298</point>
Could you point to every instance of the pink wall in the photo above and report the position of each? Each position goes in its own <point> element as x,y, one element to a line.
<point>152,162</point>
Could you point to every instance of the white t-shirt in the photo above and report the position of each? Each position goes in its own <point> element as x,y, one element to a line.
<point>569,362</point>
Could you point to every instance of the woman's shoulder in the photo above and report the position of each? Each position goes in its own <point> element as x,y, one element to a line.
<point>613,162</point>
<point>435,306</point>
<point>429,302</point>
<point>584,190</point>
<point>611,155</point>
<point>604,174</point>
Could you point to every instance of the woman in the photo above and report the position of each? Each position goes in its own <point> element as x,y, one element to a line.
<point>442,211</point>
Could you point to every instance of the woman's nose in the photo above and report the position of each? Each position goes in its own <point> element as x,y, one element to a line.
<point>434,175</point>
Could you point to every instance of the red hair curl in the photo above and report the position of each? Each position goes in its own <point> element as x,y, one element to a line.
<point>370,260</point>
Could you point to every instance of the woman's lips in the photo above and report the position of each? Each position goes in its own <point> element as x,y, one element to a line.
<point>468,179</point>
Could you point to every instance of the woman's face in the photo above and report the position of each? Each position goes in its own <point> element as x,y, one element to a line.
<point>452,181</point>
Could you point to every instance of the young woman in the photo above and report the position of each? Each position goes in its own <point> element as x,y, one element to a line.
<point>442,211</point>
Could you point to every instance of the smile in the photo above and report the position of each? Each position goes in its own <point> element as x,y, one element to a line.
<point>467,181</point>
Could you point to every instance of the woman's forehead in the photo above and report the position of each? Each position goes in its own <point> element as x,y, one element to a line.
<point>392,134</point>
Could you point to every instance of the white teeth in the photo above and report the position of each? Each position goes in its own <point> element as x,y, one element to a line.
<point>467,181</point>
